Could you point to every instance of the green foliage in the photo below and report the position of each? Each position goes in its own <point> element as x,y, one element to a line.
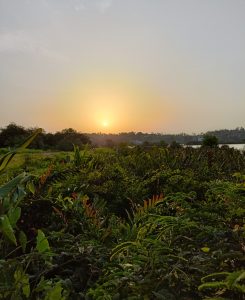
<point>210,141</point>
<point>5,159</point>
<point>7,229</point>
<point>23,241</point>
<point>12,193</point>
<point>63,140</point>
<point>129,223</point>
<point>22,282</point>
<point>224,282</point>
<point>42,242</point>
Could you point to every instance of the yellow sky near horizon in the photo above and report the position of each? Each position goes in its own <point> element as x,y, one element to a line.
<point>113,104</point>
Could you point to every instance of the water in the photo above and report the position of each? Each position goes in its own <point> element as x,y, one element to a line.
<point>236,146</point>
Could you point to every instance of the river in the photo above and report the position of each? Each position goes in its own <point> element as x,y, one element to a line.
<point>236,146</point>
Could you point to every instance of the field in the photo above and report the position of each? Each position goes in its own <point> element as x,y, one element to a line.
<point>123,223</point>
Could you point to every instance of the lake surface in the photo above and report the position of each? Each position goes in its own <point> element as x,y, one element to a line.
<point>236,146</point>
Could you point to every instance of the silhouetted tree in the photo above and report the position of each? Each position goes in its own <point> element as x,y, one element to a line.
<point>12,135</point>
<point>66,138</point>
<point>163,144</point>
<point>175,145</point>
<point>210,141</point>
<point>109,143</point>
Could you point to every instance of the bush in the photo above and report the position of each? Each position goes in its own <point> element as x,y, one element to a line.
<point>210,141</point>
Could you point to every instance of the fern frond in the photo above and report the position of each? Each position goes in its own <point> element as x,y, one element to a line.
<point>120,248</point>
<point>93,211</point>
<point>49,178</point>
<point>212,285</point>
<point>147,205</point>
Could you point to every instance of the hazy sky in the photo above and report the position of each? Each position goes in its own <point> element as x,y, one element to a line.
<point>123,65</point>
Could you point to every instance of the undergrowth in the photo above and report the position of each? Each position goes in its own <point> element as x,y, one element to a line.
<point>133,224</point>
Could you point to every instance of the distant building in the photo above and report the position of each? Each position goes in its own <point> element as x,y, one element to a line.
<point>137,142</point>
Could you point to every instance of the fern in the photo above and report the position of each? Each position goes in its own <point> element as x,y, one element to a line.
<point>49,178</point>
<point>147,206</point>
<point>121,248</point>
<point>94,210</point>
<point>232,281</point>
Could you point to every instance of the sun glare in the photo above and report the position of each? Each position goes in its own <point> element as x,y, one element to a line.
<point>114,105</point>
<point>105,123</point>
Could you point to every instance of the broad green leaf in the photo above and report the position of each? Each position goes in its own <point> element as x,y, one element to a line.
<point>31,187</point>
<point>26,286</point>
<point>5,160</point>
<point>23,241</point>
<point>22,282</point>
<point>5,205</point>
<point>17,275</point>
<point>42,242</point>
<point>7,229</point>
<point>11,185</point>
<point>55,293</point>
<point>30,139</point>
<point>20,194</point>
<point>205,249</point>
<point>14,215</point>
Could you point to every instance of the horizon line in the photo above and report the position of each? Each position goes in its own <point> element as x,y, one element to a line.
<point>122,132</point>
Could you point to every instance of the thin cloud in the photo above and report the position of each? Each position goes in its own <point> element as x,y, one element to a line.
<point>100,5</point>
<point>80,5</point>
<point>103,5</point>
<point>20,42</point>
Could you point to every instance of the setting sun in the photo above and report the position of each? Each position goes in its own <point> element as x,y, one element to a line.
<point>105,123</point>
<point>104,99</point>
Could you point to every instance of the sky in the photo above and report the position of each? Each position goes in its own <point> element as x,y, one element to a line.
<point>166,66</point>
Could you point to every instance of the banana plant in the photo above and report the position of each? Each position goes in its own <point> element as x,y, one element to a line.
<point>12,193</point>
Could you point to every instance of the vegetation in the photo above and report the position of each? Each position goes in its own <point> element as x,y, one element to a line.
<point>210,141</point>
<point>122,223</point>
<point>62,140</point>
<point>234,136</point>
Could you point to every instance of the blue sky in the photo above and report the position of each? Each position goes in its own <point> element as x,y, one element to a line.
<point>150,65</point>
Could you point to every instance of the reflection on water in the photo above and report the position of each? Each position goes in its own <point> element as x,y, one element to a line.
<point>236,146</point>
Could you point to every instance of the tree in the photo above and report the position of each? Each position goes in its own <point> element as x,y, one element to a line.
<point>109,143</point>
<point>210,141</point>
<point>175,145</point>
<point>163,144</point>
<point>66,138</point>
<point>12,135</point>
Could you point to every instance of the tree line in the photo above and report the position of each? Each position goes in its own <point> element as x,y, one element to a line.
<point>63,140</point>
<point>14,134</point>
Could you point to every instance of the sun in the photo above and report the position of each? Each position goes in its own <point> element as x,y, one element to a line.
<point>105,123</point>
